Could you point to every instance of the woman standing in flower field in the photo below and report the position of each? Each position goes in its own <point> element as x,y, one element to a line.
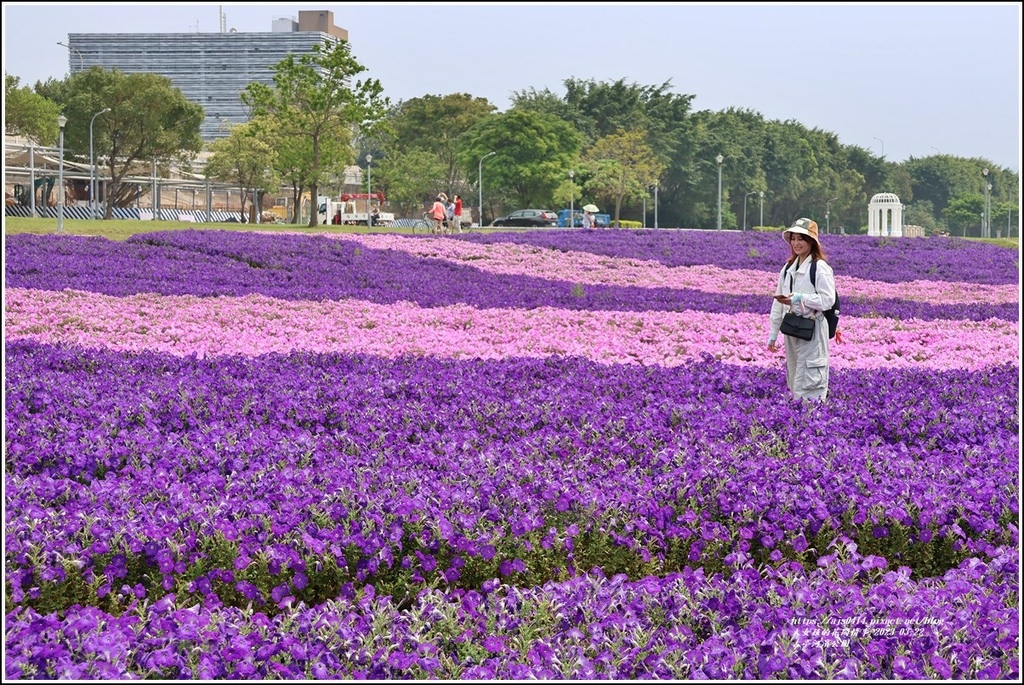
<point>807,362</point>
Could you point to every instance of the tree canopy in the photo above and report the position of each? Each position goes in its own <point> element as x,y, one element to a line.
<point>533,152</point>
<point>149,119</point>
<point>437,142</point>
<point>29,114</point>
<point>313,98</point>
<point>245,158</point>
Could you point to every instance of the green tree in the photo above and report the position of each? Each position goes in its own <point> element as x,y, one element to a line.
<point>623,166</point>
<point>939,178</point>
<point>547,102</point>
<point>292,163</point>
<point>53,90</point>
<point>28,114</point>
<point>963,215</point>
<point>1005,219</point>
<point>149,119</point>
<point>436,123</point>
<point>312,98</point>
<point>409,179</point>
<point>246,159</point>
<point>597,109</point>
<point>534,151</point>
<point>922,213</point>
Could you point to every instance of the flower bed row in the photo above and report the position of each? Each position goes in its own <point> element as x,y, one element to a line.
<point>876,258</point>
<point>786,624</point>
<point>591,465</point>
<point>587,268</point>
<point>279,266</point>
<point>255,324</point>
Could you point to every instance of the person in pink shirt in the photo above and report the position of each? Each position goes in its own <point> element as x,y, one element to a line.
<point>437,213</point>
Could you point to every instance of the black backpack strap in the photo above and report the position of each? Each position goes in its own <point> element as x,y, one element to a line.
<point>814,274</point>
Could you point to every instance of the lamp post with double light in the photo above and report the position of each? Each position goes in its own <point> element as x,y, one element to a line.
<point>369,160</point>
<point>984,221</point>
<point>988,210</point>
<point>92,167</point>
<point>480,185</point>
<point>883,145</point>
<point>61,121</point>
<point>719,159</point>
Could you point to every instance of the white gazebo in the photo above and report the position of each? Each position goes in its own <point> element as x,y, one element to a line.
<point>885,215</point>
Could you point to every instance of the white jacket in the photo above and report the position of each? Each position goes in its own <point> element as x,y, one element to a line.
<point>811,302</point>
<point>807,361</point>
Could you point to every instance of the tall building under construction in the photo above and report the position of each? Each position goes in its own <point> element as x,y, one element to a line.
<point>211,69</point>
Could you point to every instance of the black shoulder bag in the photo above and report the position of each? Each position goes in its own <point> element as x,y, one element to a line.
<point>795,325</point>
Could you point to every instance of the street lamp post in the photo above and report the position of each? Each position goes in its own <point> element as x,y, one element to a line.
<point>883,145</point>
<point>752,192</point>
<point>988,210</point>
<point>719,159</point>
<point>369,159</point>
<point>827,208</point>
<point>61,120</point>
<point>92,168</point>
<point>81,61</point>
<point>655,206</point>
<point>572,197</point>
<point>984,220</point>
<point>480,185</point>
<point>761,193</point>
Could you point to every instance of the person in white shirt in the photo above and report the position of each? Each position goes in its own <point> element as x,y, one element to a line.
<point>807,361</point>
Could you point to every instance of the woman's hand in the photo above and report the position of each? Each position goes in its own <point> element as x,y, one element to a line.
<point>774,346</point>
<point>784,299</point>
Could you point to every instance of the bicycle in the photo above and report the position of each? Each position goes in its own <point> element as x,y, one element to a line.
<point>426,224</point>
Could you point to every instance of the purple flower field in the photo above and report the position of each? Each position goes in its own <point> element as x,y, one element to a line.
<point>515,456</point>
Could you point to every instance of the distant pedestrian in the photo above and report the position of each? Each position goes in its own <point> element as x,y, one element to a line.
<point>588,219</point>
<point>449,215</point>
<point>437,212</point>
<point>457,213</point>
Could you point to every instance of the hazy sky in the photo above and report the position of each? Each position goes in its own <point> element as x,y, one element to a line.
<point>898,79</point>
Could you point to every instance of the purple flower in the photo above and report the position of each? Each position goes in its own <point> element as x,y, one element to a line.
<point>494,644</point>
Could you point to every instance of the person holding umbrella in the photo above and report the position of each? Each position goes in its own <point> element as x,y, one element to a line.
<point>588,216</point>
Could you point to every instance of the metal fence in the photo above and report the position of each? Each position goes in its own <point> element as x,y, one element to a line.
<point>134,213</point>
